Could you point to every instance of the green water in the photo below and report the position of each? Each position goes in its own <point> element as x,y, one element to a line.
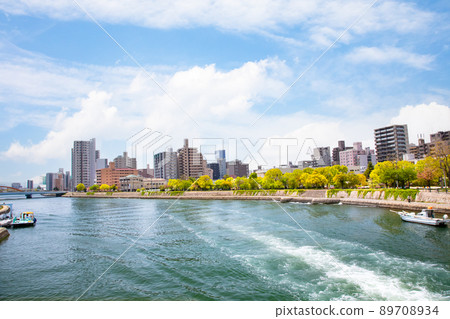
<point>220,250</point>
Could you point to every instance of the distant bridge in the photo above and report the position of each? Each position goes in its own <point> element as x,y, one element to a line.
<point>10,191</point>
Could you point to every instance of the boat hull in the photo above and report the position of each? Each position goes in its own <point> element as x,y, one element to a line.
<point>437,223</point>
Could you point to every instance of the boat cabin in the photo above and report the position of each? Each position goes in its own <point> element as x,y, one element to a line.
<point>427,213</point>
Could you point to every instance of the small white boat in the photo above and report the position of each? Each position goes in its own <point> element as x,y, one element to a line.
<point>426,216</point>
<point>6,215</point>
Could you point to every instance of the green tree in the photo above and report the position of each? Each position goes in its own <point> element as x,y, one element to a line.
<point>340,180</point>
<point>273,178</point>
<point>253,175</point>
<point>368,170</point>
<point>315,180</point>
<point>383,173</point>
<point>80,187</point>
<point>204,182</point>
<point>428,171</point>
<point>104,187</point>
<point>114,187</point>
<point>405,173</point>
<point>94,188</point>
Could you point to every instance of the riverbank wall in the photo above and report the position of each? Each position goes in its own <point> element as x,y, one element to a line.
<point>3,233</point>
<point>439,201</point>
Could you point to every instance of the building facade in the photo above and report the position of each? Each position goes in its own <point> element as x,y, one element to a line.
<point>215,170</point>
<point>131,183</point>
<point>321,156</point>
<point>237,169</point>
<point>111,175</point>
<point>191,162</point>
<point>123,161</point>
<point>222,161</point>
<point>391,142</point>
<point>166,165</point>
<point>83,163</point>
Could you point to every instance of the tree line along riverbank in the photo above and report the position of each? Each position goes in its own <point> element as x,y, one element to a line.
<point>379,198</point>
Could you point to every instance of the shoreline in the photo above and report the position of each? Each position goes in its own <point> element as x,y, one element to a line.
<point>309,196</point>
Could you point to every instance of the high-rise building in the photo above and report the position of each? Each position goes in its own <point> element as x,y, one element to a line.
<point>166,165</point>
<point>215,170</point>
<point>101,163</point>
<point>391,142</point>
<point>83,163</point>
<point>237,168</point>
<point>190,162</point>
<point>321,156</point>
<point>29,184</point>
<point>125,161</point>
<point>335,153</point>
<point>222,161</point>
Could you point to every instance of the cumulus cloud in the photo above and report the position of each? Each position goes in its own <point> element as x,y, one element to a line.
<point>96,118</point>
<point>390,55</point>
<point>423,119</point>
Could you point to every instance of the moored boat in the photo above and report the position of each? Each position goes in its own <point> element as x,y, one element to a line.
<point>25,219</point>
<point>426,217</point>
<point>5,215</point>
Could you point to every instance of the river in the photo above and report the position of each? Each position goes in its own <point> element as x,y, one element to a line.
<point>220,250</point>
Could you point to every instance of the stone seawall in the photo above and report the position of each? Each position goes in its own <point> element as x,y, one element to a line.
<point>283,196</point>
<point>422,196</point>
<point>3,233</point>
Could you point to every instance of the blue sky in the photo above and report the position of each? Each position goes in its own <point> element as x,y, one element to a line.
<point>210,69</point>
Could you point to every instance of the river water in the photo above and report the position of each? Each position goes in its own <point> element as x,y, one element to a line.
<point>220,250</point>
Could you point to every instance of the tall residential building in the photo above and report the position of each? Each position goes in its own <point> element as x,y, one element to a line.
<point>101,163</point>
<point>83,163</point>
<point>321,156</point>
<point>191,162</point>
<point>166,165</point>
<point>237,168</point>
<point>29,184</point>
<point>336,150</point>
<point>357,158</point>
<point>222,161</point>
<point>125,161</point>
<point>391,142</point>
<point>215,170</point>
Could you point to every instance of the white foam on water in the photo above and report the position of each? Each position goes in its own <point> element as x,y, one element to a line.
<point>376,286</point>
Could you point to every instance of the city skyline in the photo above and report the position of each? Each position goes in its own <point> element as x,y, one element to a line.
<point>321,70</point>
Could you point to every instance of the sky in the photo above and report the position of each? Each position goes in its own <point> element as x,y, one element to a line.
<point>264,80</point>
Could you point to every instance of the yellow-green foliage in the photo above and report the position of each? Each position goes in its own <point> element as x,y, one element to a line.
<point>255,192</point>
<point>402,193</point>
<point>176,193</point>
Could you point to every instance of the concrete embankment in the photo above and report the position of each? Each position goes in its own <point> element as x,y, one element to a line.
<point>440,202</point>
<point>3,233</point>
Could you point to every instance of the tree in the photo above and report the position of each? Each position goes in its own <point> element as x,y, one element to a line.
<point>273,178</point>
<point>114,187</point>
<point>316,180</point>
<point>253,175</point>
<point>428,171</point>
<point>80,187</point>
<point>405,172</point>
<point>383,173</point>
<point>204,182</point>
<point>340,180</point>
<point>104,187</point>
<point>94,187</point>
<point>442,152</point>
<point>368,170</point>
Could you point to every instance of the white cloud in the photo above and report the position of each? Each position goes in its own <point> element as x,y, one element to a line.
<point>96,118</point>
<point>423,119</point>
<point>321,17</point>
<point>390,55</point>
